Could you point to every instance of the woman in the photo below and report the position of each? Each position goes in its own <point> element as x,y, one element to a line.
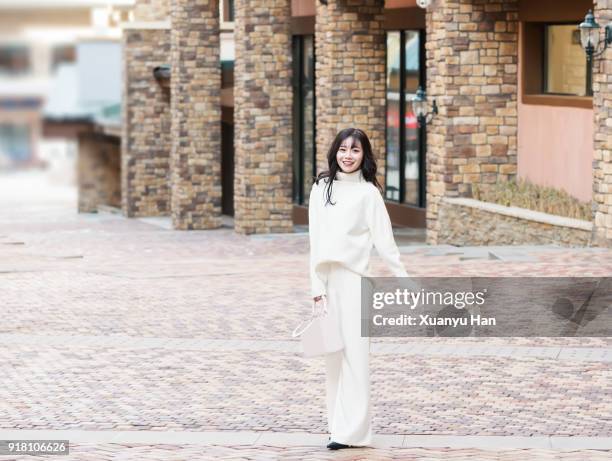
<point>347,216</point>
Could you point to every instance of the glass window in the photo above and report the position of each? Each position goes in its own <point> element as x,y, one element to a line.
<point>228,10</point>
<point>14,59</point>
<point>308,113</point>
<point>404,169</point>
<point>411,131</point>
<point>15,142</point>
<point>565,61</point>
<point>392,189</point>
<point>304,166</point>
<point>227,74</point>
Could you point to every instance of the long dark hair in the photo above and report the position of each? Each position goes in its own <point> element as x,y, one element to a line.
<point>368,163</point>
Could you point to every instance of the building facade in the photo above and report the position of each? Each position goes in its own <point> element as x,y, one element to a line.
<point>38,38</point>
<point>244,132</point>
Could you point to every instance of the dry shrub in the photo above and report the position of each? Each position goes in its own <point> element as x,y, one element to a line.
<point>524,194</point>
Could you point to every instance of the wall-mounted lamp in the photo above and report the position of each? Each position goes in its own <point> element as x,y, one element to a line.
<point>162,75</point>
<point>589,36</point>
<point>419,107</point>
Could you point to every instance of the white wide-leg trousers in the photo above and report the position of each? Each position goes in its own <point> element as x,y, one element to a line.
<point>347,371</point>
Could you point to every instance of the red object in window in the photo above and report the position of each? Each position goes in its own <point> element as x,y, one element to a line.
<point>410,119</point>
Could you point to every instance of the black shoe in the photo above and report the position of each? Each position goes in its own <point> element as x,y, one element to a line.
<point>336,446</point>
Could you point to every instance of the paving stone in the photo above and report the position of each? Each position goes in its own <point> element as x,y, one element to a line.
<point>155,330</point>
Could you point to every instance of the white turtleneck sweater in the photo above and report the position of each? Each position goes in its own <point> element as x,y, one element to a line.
<point>346,232</point>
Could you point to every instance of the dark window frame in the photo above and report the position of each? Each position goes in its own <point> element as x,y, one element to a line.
<point>298,137</point>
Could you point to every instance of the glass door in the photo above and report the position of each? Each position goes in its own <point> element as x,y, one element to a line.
<point>405,147</point>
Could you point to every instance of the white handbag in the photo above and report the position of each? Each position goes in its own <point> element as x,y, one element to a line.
<point>321,335</point>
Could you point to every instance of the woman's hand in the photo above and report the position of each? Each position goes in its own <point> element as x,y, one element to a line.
<point>319,303</point>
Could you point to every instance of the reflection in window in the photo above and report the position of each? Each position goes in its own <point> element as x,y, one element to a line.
<point>566,66</point>
<point>392,189</point>
<point>403,168</point>
<point>227,10</point>
<point>227,74</point>
<point>411,132</point>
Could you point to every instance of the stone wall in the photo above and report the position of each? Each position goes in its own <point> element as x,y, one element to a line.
<point>145,140</point>
<point>602,161</point>
<point>263,105</point>
<point>196,115</point>
<point>467,222</point>
<point>472,57</point>
<point>98,172</point>
<point>350,74</point>
<point>151,10</point>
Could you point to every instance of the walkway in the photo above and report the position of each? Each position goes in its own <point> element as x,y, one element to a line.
<point>135,341</point>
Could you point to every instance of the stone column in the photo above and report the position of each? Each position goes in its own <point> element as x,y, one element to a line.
<point>262,117</point>
<point>472,57</point>
<point>145,138</point>
<point>195,159</point>
<point>350,74</point>
<point>602,161</point>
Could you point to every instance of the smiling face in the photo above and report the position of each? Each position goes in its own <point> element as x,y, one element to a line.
<point>350,155</point>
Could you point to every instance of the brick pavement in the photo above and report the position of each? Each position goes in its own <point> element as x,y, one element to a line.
<point>103,388</point>
<point>100,290</point>
<point>114,451</point>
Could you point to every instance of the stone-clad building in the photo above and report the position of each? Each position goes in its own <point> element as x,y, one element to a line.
<point>258,89</point>
<point>146,120</point>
